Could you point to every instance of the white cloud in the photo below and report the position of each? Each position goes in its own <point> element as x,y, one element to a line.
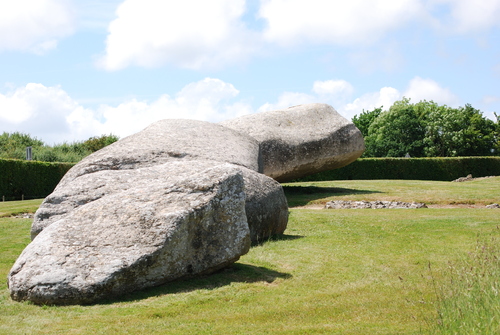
<point>490,106</point>
<point>291,22</point>
<point>334,92</point>
<point>34,25</point>
<point>360,22</point>
<point>189,33</point>
<point>337,93</point>
<point>96,14</point>
<point>490,99</point>
<point>418,89</point>
<point>13,109</point>
<point>37,110</point>
<point>428,89</point>
<point>463,16</point>
<point>288,99</point>
<point>50,114</point>
<point>206,100</point>
<point>200,34</point>
<point>387,58</point>
<point>335,88</point>
<point>385,97</point>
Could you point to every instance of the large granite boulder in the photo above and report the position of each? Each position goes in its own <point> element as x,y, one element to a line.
<point>301,140</point>
<point>138,236</point>
<point>163,141</point>
<point>266,207</point>
<point>180,198</point>
<point>133,215</point>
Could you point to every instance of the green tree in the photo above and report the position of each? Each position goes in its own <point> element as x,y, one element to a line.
<point>496,135</point>
<point>396,132</point>
<point>365,119</point>
<point>462,131</point>
<point>428,129</point>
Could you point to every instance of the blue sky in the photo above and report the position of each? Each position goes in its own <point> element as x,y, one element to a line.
<point>72,69</point>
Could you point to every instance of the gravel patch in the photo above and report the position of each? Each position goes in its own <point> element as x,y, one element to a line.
<point>340,204</point>
<point>469,178</point>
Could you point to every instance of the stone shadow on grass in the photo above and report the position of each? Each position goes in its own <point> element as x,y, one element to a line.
<point>279,237</point>
<point>235,273</point>
<point>302,195</point>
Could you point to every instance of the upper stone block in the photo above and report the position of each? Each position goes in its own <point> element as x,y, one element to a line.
<point>301,140</point>
<point>170,140</point>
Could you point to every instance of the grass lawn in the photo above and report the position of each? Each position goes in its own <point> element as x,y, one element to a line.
<point>334,271</point>
<point>480,192</point>
<point>10,208</point>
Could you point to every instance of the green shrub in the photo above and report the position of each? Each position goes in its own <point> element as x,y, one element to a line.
<point>426,129</point>
<point>65,152</point>
<point>29,179</point>
<point>13,146</point>
<point>436,168</point>
<point>97,143</point>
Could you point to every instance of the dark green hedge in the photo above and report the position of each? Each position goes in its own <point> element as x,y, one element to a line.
<point>444,169</point>
<point>29,179</point>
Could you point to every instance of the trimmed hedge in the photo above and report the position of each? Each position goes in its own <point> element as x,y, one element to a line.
<point>442,168</point>
<point>33,180</point>
<point>29,179</point>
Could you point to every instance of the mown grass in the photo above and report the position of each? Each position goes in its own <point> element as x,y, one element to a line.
<point>9,208</point>
<point>333,272</point>
<point>479,192</point>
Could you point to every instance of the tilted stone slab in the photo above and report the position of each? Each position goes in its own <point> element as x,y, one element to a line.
<point>301,140</point>
<point>163,141</point>
<point>137,237</point>
<point>90,187</point>
<point>266,206</point>
<point>170,140</point>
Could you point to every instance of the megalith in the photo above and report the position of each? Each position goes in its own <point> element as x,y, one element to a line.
<point>178,199</point>
<point>162,142</point>
<point>301,140</point>
<point>139,237</point>
<point>148,209</point>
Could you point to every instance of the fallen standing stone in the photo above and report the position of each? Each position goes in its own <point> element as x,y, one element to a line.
<point>102,200</point>
<point>180,198</point>
<point>162,142</point>
<point>140,237</point>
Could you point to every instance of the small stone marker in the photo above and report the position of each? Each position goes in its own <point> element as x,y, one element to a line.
<point>28,153</point>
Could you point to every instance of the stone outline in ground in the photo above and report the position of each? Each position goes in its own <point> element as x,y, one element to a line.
<point>342,204</point>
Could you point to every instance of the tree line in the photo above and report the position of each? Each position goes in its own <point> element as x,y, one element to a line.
<point>426,129</point>
<point>13,146</point>
<point>423,129</point>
